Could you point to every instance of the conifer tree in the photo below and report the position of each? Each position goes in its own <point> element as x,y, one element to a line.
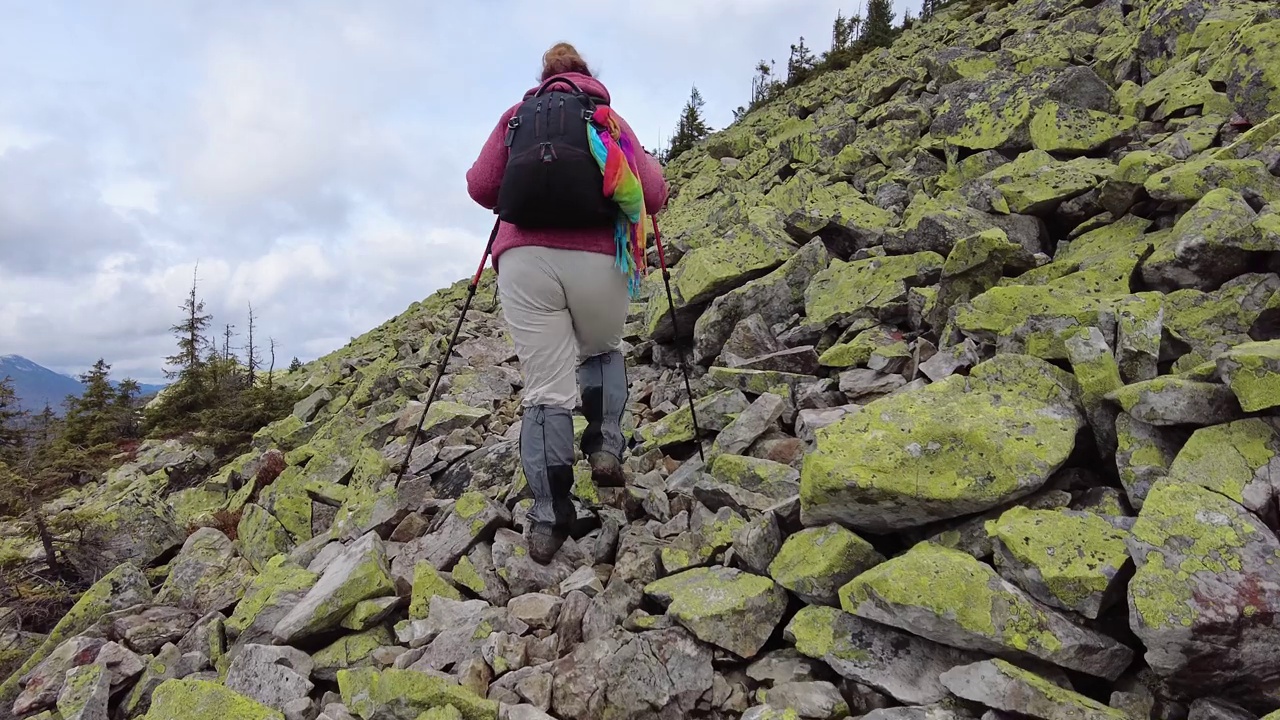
<point>295,365</point>
<point>10,419</point>
<point>191,339</point>
<point>691,129</point>
<point>93,418</point>
<point>878,29</point>
<point>800,65</point>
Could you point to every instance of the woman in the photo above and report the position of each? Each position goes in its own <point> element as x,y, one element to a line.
<point>565,301</point>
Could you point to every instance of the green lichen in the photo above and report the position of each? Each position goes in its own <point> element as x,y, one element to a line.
<point>261,536</point>
<point>956,587</point>
<point>1183,550</point>
<point>1077,555</point>
<point>814,563</point>
<point>203,700</point>
<point>466,575</point>
<point>846,291</point>
<point>469,505</point>
<point>281,583</point>
<point>1191,181</point>
<point>1062,128</point>
<point>879,341</point>
<point>755,474</point>
<point>1228,458</point>
<point>1252,370</point>
<point>353,650</point>
<point>1066,701</point>
<point>407,693</point>
<point>427,584</point>
<point>705,592</point>
<point>953,447</point>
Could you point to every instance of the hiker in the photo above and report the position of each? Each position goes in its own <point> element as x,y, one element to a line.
<point>573,188</point>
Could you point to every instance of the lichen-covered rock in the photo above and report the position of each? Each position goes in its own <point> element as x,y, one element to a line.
<point>274,676</point>
<point>1065,559</point>
<point>967,605</point>
<point>207,575</point>
<point>261,536</point>
<point>472,520</point>
<point>1213,242</point>
<point>269,597</point>
<point>404,695</point>
<point>654,675</point>
<point>868,289</point>
<point>1004,686</point>
<point>1252,371</point>
<point>360,573</point>
<point>1062,128</point>
<point>956,447</point>
<point>1251,70</point>
<point>1144,453</point>
<point>1177,401</point>
<point>815,563</point>
<point>205,700</point>
<point>1098,374</point>
<point>895,662</point>
<point>1237,460</point>
<point>123,587</point>
<point>1035,183</point>
<point>1205,591</point>
<point>85,694</point>
<point>427,584</point>
<point>350,651</point>
<point>722,606</point>
<point>137,527</point>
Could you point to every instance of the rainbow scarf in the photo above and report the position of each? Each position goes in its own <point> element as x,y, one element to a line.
<point>617,159</point>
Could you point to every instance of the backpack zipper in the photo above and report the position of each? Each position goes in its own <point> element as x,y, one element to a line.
<point>562,116</point>
<point>537,120</point>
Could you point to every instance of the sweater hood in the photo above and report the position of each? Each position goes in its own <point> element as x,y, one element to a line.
<point>586,83</point>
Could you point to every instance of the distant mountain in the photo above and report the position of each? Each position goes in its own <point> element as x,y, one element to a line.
<point>36,385</point>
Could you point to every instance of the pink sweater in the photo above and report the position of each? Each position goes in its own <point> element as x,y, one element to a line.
<point>485,178</point>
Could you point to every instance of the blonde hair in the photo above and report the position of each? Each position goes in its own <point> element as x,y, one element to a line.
<point>562,58</point>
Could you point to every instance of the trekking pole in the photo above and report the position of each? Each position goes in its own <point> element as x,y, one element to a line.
<point>684,368</point>
<point>471,292</point>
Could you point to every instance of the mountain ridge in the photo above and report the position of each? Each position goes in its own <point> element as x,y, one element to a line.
<point>36,385</point>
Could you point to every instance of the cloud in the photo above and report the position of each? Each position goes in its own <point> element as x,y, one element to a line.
<point>309,156</point>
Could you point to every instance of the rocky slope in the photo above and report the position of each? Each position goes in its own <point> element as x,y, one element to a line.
<point>986,364</point>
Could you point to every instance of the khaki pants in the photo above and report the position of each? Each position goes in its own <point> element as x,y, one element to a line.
<point>561,307</point>
<point>565,310</point>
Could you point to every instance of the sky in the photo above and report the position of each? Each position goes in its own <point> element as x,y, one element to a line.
<point>307,157</point>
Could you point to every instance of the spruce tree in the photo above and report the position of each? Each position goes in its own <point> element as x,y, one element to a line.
<point>800,65</point>
<point>92,418</point>
<point>189,359</point>
<point>878,29</point>
<point>691,129</point>
<point>10,420</point>
<point>295,365</point>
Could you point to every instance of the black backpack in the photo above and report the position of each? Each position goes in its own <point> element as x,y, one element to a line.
<point>552,180</point>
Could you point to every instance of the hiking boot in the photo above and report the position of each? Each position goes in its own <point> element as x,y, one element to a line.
<point>546,454</point>
<point>545,541</point>
<point>603,381</point>
<point>606,470</point>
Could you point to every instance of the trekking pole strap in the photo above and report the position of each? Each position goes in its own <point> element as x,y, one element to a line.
<point>457,329</point>
<point>675,329</point>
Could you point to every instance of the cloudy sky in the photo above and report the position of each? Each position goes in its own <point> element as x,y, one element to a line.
<point>309,155</point>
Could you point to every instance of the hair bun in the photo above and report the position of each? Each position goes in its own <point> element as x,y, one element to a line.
<point>563,58</point>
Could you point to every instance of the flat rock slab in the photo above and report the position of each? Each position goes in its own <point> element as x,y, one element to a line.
<point>655,675</point>
<point>952,598</point>
<point>1178,401</point>
<point>722,606</point>
<point>1066,559</point>
<point>1003,686</point>
<point>360,573</point>
<point>1252,371</point>
<point>890,660</point>
<point>957,447</point>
